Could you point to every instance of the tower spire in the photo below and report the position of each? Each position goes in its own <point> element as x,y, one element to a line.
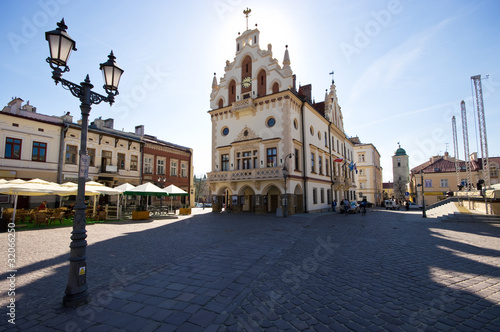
<point>247,12</point>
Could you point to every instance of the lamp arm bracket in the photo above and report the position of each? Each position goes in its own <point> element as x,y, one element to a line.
<point>78,91</point>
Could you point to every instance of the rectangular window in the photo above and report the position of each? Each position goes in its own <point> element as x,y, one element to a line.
<point>184,172</point>
<point>39,151</point>
<point>121,160</point>
<point>244,160</point>
<point>322,192</point>
<point>320,165</point>
<point>428,183</point>
<point>173,168</point>
<point>297,160</point>
<point>71,153</point>
<point>160,167</point>
<point>224,162</point>
<point>315,196</point>
<point>148,165</point>
<point>134,161</point>
<point>312,163</point>
<point>272,157</point>
<point>13,148</point>
<point>444,183</point>
<point>361,157</point>
<point>91,153</point>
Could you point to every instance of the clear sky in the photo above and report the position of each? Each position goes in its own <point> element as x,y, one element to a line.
<point>401,66</point>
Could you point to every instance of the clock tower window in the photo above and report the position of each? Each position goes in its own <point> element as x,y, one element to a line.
<point>231,92</point>
<point>262,83</point>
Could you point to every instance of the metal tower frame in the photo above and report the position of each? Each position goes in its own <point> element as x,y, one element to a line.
<point>455,149</point>
<point>466,145</point>
<point>482,129</point>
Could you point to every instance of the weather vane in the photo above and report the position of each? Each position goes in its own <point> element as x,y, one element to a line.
<point>247,12</point>
<point>332,76</point>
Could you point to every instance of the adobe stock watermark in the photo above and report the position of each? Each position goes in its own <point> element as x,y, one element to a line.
<point>31,26</point>
<point>363,36</point>
<point>154,77</point>
<point>223,7</point>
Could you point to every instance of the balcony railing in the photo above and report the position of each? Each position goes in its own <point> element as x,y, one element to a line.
<point>243,106</point>
<point>246,174</point>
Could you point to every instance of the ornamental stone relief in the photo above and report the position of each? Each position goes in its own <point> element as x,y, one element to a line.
<point>246,134</point>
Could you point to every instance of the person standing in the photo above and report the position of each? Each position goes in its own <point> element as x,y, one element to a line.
<point>334,205</point>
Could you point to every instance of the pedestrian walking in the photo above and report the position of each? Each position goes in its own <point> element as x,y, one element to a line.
<point>346,206</point>
<point>334,205</point>
<point>364,203</point>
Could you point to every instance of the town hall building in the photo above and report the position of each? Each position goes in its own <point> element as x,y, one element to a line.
<point>272,145</point>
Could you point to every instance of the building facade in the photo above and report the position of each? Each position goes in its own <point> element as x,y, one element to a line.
<point>264,129</point>
<point>439,177</point>
<point>31,147</point>
<point>114,156</point>
<point>47,147</point>
<point>369,177</point>
<point>166,163</point>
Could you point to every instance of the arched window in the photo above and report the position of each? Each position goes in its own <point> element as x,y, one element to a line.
<point>221,103</point>
<point>276,87</point>
<point>246,71</point>
<point>232,92</point>
<point>261,83</point>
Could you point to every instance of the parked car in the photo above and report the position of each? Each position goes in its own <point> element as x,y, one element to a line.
<point>391,205</point>
<point>415,206</point>
<point>354,207</point>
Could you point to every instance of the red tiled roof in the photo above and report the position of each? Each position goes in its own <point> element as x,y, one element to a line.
<point>443,166</point>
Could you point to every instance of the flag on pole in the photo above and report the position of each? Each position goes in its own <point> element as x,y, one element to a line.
<point>339,160</point>
<point>351,166</point>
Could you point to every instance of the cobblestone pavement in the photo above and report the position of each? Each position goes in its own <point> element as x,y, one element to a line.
<point>386,271</point>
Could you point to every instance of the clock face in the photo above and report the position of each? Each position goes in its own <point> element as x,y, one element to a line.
<point>247,82</point>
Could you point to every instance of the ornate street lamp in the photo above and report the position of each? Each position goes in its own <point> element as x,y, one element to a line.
<point>285,175</point>
<point>61,45</point>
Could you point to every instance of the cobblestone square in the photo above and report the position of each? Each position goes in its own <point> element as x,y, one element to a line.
<point>388,270</point>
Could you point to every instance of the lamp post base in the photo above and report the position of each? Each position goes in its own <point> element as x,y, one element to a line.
<point>75,300</point>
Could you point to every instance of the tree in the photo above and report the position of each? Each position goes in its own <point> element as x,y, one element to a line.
<point>399,189</point>
<point>201,189</point>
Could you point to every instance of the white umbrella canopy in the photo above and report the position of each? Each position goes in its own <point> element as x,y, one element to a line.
<point>74,189</point>
<point>34,187</point>
<point>173,190</point>
<point>99,187</point>
<point>146,189</point>
<point>124,187</point>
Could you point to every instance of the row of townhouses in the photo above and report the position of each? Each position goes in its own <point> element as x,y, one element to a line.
<point>273,146</point>
<point>35,145</point>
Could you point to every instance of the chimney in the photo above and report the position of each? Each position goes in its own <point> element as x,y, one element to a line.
<point>67,118</point>
<point>446,155</point>
<point>29,108</point>
<point>109,123</point>
<point>139,130</point>
<point>15,105</point>
<point>98,123</point>
<point>306,91</point>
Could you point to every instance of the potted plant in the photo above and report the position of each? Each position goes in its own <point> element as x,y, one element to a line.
<point>185,210</point>
<point>140,213</point>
